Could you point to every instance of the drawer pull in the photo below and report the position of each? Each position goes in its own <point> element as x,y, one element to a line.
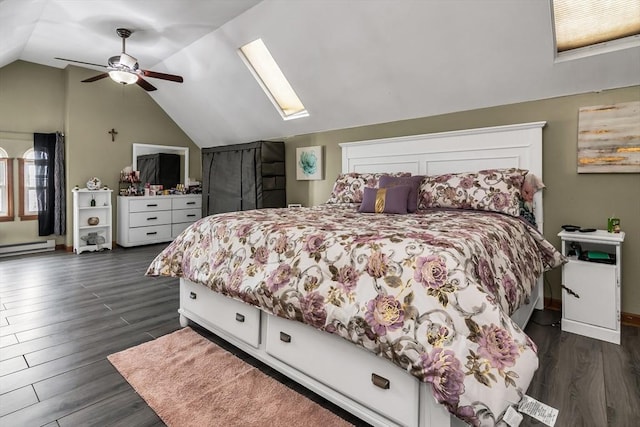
<point>570,291</point>
<point>240,317</point>
<point>285,337</point>
<point>151,233</point>
<point>193,295</point>
<point>191,203</point>
<point>190,215</point>
<point>152,218</point>
<point>379,381</point>
<point>152,205</point>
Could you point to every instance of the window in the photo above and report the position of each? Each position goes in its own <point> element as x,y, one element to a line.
<point>28,198</point>
<point>273,82</point>
<point>6,186</point>
<point>590,27</point>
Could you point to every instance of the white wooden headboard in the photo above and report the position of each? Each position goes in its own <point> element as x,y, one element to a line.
<point>468,150</point>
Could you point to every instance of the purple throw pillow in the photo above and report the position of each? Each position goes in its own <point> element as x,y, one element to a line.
<point>348,186</point>
<point>413,182</point>
<point>385,200</point>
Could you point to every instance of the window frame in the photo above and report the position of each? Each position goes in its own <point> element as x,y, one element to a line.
<point>8,161</point>
<point>600,48</point>
<point>264,68</point>
<point>23,162</point>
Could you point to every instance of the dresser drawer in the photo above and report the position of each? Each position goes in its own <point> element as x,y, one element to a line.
<point>176,229</point>
<point>187,202</point>
<point>235,317</point>
<point>147,205</point>
<point>356,373</point>
<point>154,233</point>
<point>143,219</point>
<point>186,215</point>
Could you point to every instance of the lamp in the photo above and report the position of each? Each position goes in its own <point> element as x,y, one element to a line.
<point>123,77</point>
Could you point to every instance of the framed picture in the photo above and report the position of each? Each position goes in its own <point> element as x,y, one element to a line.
<point>309,163</point>
<point>609,138</point>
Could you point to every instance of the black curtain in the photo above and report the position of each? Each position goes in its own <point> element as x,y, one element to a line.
<point>49,163</point>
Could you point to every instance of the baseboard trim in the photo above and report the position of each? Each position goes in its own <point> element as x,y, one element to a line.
<point>553,304</point>
<point>629,319</point>
<point>70,248</point>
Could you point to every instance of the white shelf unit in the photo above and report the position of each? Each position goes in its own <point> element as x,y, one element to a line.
<point>591,303</point>
<point>83,210</point>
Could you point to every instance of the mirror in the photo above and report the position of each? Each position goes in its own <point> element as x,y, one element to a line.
<point>147,150</point>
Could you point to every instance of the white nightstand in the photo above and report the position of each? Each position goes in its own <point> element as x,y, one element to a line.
<point>591,290</point>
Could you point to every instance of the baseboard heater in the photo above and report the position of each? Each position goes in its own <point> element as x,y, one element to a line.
<point>27,248</point>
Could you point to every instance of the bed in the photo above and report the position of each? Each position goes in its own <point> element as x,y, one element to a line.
<point>410,319</point>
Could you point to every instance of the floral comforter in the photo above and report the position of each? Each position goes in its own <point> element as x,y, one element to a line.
<point>430,291</point>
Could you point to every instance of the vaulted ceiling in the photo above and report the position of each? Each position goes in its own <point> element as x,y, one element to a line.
<point>351,62</point>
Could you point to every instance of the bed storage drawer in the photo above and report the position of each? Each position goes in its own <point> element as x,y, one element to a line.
<point>354,372</point>
<point>234,317</point>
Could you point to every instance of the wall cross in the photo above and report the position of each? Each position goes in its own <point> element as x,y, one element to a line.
<point>113,134</point>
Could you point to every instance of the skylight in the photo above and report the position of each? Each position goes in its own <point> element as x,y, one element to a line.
<point>273,82</point>
<point>604,24</point>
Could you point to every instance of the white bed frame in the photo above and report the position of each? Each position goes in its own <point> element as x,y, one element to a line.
<point>459,151</point>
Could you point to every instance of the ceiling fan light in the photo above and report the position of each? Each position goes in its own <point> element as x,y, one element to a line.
<point>128,61</point>
<point>123,77</point>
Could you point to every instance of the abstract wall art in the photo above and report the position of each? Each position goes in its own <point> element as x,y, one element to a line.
<point>309,163</point>
<point>609,138</point>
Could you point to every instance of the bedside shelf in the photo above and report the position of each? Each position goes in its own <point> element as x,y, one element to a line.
<point>591,290</point>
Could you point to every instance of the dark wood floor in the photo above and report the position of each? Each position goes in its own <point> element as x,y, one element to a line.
<point>61,314</point>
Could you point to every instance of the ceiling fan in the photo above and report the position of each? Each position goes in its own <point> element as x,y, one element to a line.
<point>124,68</point>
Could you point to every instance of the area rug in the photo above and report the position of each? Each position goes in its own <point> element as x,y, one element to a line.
<point>190,381</point>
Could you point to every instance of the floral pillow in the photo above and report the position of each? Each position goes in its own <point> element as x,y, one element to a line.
<point>349,187</point>
<point>497,190</point>
<point>413,182</point>
<point>385,200</point>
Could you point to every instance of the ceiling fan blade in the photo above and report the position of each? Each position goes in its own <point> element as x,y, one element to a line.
<point>145,84</point>
<point>163,76</point>
<point>80,62</point>
<point>94,78</point>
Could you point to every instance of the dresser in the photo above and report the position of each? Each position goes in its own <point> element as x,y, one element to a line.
<point>155,219</point>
